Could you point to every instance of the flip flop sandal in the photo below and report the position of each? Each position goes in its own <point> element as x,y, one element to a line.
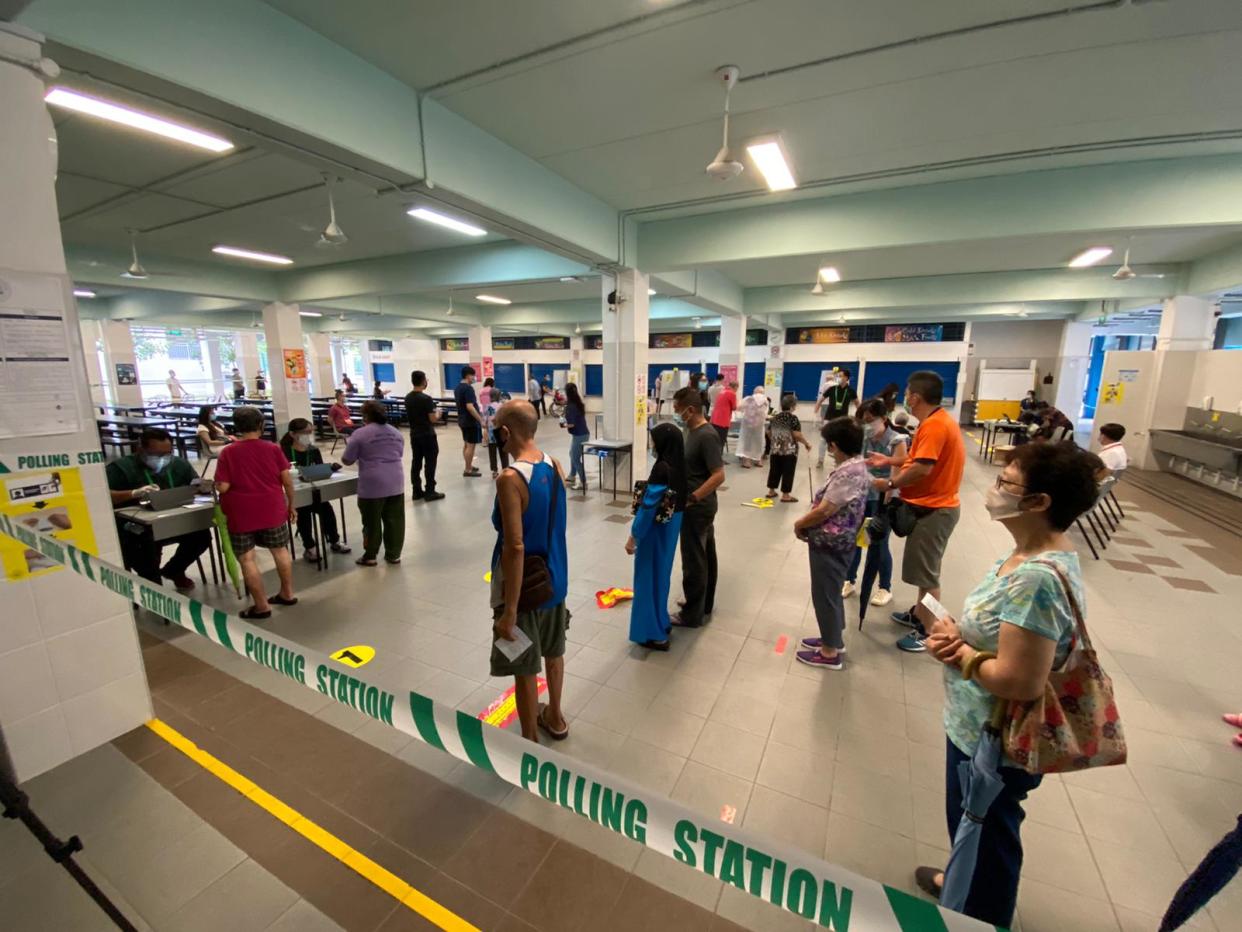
<point>789,500</point>
<point>366,561</point>
<point>392,562</point>
<point>279,599</point>
<point>925,877</point>
<point>546,728</point>
<point>250,614</point>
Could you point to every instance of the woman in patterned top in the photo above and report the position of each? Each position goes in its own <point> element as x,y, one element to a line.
<point>1016,626</point>
<point>830,529</point>
<point>786,431</point>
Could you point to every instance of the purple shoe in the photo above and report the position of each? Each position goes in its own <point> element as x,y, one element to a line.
<point>817,643</point>
<point>813,658</point>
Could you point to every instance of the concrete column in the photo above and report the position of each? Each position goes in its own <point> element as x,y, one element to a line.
<point>91,335</point>
<point>70,667</point>
<point>577,369</point>
<point>320,363</point>
<point>1073,361</point>
<point>216,367</point>
<point>733,348</point>
<point>625,371</point>
<point>1187,323</point>
<point>480,349</point>
<point>290,395</point>
<point>119,351</point>
<point>338,365</point>
<point>248,357</point>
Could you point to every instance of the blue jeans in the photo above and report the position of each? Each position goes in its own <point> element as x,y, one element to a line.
<point>577,461</point>
<point>994,888</point>
<point>881,547</point>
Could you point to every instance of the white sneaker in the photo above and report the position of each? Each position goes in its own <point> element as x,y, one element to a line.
<point>881,597</point>
<point>311,555</point>
<point>847,589</point>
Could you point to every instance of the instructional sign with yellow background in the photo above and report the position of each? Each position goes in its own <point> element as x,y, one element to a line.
<point>1112,393</point>
<point>51,502</point>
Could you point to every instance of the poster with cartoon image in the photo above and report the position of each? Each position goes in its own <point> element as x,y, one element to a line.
<point>51,502</point>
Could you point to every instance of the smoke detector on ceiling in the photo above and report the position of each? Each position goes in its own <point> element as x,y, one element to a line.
<point>725,165</point>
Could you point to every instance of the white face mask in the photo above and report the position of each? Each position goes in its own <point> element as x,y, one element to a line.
<point>303,441</point>
<point>1001,504</point>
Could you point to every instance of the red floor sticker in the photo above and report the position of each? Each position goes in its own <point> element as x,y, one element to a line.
<point>728,813</point>
<point>781,643</point>
<point>504,710</point>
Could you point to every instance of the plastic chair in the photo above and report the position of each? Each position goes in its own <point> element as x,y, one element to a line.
<point>205,453</point>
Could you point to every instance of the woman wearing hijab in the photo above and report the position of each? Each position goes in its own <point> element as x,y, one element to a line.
<point>653,538</point>
<point>754,420</point>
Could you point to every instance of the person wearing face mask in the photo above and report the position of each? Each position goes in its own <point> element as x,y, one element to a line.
<point>750,438</point>
<point>704,475</point>
<point>210,435</point>
<point>699,381</point>
<point>929,481</point>
<point>378,447</point>
<point>878,437</point>
<point>786,434</point>
<point>300,450</point>
<point>150,467</point>
<point>723,406</point>
<point>1016,626</point>
<point>834,403</point>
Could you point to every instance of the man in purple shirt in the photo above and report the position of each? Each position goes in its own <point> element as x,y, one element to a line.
<point>377,448</point>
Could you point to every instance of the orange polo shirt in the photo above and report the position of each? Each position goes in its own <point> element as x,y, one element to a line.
<point>938,439</point>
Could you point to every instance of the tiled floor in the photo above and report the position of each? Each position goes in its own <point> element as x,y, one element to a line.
<point>846,765</point>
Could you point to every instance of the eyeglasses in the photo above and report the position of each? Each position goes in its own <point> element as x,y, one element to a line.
<point>1002,481</point>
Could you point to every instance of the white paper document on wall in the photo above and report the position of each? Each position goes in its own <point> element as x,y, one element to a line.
<point>36,375</point>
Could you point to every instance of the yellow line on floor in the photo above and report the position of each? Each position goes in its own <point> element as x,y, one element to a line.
<point>387,881</point>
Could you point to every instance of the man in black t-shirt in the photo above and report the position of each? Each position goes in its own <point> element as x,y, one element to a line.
<point>423,415</point>
<point>704,474</point>
<point>469,419</point>
<point>834,403</point>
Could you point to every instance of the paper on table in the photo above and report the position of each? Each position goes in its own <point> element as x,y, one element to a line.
<point>515,648</point>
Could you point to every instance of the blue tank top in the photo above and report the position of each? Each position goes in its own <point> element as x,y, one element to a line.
<point>542,483</point>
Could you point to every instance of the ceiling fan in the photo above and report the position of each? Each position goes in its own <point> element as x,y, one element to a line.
<point>332,234</point>
<point>726,166</point>
<point>135,270</point>
<point>1125,273</point>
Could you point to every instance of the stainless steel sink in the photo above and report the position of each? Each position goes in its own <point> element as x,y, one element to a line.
<point>1211,451</point>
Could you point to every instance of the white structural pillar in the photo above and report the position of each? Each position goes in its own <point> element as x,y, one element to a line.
<point>320,363</point>
<point>1073,362</point>
<point>248,358</point>
<point>733,348</point>
<point>480,349</point>
<point>215,366</point>
<point>1186,323</point>
<point>286,364</point>
<point>122,372</point>
<point>577,369</point>
<point>625,372</point>
<point>91,335</point>
<point>71,673</point>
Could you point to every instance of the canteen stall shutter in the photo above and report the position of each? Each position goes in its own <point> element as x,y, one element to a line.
<point>452,376</point>
<point>594,380</point>
<point>752,375</point>
<point>511,377</point>
<point>880,374</point>
<point>384,372</point>
<point>802,378</point>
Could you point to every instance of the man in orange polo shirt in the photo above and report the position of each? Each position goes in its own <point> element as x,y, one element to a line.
<point>929,482</point>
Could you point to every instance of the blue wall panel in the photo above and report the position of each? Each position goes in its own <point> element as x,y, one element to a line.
<point>384,372</point>
<point>802,378</point>
<point>752,375</point>
<point>594,379</point>
<point>511,378</point>
<point>880,374</point>
<point>541,369</point>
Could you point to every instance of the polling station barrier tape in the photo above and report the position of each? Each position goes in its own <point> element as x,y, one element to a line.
<point>831,896</point>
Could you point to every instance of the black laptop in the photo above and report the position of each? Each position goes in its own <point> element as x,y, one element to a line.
<point>169,498</point>
<point>315,473</point>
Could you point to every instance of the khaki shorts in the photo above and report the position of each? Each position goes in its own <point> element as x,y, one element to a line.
<point>546,629</point>
<point>925,546</point>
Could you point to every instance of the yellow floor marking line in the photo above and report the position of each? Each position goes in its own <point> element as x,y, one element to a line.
<point>387,881</point>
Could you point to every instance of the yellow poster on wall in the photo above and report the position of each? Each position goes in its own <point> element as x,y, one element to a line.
<point>1112,393</point>
<point>51,502</point>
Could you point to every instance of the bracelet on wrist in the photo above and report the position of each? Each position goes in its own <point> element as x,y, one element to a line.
<point>972,664</point>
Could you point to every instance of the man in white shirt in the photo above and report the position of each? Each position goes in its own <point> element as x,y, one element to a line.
<point>534,394</point>
<point>175,391</point>
<point>1111,451</point>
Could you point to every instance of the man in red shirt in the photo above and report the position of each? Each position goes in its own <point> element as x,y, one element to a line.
<point>256,493</point>
<point>722,412</point>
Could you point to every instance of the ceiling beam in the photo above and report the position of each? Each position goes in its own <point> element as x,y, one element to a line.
<point>1132,195</point>
<point>103,267</point>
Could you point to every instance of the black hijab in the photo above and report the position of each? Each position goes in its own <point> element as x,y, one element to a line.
<point>670,464</point>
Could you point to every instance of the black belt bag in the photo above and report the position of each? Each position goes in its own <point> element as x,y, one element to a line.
<point>902,516</point>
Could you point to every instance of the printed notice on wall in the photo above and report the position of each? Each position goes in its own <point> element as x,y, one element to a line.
<point>36,375</point>
<point>50,501</point>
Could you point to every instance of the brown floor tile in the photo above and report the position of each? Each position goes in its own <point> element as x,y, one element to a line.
<point>212,798</point>
<point>1194,585</point>
<point>721,924</point>
<point>1227,561</point>
<point>1129,567</point>
<point>146,640</point>
<point>139,743</point>
<point>442,821</point>
<point>512,923</point>
<point>1184,535</point>
<point>1131,541</point>
<point>166,664</point>
<point>503,854</point>
<point>571,891</point>
<point>185,692</point>
<point>643,905</point>
<point>1154,560</point>
<point>226,707</point>
<point>471,905</point>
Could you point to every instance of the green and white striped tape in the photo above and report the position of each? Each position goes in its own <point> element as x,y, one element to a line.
<point>831,896</point>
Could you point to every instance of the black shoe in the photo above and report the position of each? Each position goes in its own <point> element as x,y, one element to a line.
<point>433,496</point>
<point>417,495</point>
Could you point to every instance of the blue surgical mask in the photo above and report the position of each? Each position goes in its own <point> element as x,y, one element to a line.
<point>678,419</point>
<point>157,464</point>
<point>213,416</point>
<point>702,384</point>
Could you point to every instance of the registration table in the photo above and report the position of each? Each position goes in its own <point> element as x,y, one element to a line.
<point>613,448</point>
<point>168,523</point>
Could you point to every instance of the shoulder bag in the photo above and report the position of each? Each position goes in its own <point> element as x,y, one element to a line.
<point>1074,724</point>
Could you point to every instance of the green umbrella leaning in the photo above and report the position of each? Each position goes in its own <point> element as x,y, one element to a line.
<point>226,544</point>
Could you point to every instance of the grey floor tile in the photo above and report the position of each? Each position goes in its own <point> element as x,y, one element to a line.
<point>303,917</point>
<point>246,897</point>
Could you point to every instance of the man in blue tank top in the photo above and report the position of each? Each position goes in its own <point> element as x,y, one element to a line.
<point>529,517</point>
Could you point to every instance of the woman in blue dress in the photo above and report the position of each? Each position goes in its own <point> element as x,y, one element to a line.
<point>653,543</point>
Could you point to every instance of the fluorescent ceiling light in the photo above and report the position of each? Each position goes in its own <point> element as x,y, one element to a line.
<point>829,273</point>
<point>309,314</point>
<point>491,299</point>
<point>83,293</point>
<point>1090,256</point>
<point>651,292</point>
<point>252,255</point>
<point>115,113</point>
<point>570,278</point>
<point>769,158</point>
<point>431,216</point>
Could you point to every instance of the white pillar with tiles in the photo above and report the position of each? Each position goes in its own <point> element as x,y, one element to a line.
<point>71,673</point>
<point>1186,323</point>
<point>625,371</point>
<point>286,383</point>
<point>122,373</point>
<point>733,347</point>
<point>322,381</point>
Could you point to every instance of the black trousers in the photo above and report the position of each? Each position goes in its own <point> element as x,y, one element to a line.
<point>493,449</point>
<point>723,434</point>
<point>698,563</point>
<point>327,522</point>
<point>781,468</point>
<point>142,556</point>
<point>426,450</point>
